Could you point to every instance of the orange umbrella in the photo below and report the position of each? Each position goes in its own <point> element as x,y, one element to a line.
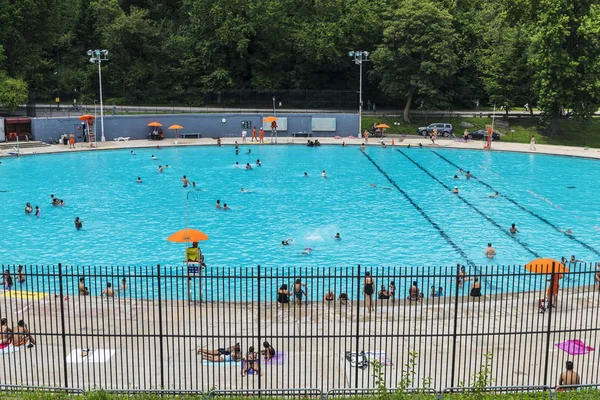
<point>270,119</point>
<point>188,235</point>
<point>86,117</point>
<point>176,128</point>
<point>382,126</point>
<point>154,123</point>
<point>544,266</point>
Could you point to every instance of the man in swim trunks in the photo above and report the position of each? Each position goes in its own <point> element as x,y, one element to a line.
<point>569,377</point>
<point>455,190</point>
<point>139,180</point>
<point>513,229</point>
<point>83,290</point>
<point>21,335</point>
<point>490,252</point>
<point>20,275</point>
<point>185,181</point>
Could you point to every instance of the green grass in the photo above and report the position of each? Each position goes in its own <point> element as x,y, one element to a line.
<point>572,133</point>
<point>99,395</point>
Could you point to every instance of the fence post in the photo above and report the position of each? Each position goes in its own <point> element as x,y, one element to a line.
<point>259,331</point>
<point>62,322</point>
<point>357,327</point>
<point>551,295</point>
<point>160,330</point>
<point>455,327</point>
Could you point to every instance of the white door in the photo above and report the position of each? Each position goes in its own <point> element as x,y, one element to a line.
<point>2,134</point>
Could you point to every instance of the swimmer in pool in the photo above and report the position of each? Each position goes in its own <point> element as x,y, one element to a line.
<point>490,252</point>
<point>258,163</point>
<point>305,175</point>
<point>237,164</point>
<point>218,205</point>
<point>167,166</point>
<point>420,146</point>
<point>28,208</point>
<point>337,236</point>
<point>249,151</point>
<point>139,180</point>
<point>55,200</point>
<point>285,243</point>
<point>237,151</point>
<point>225,208</point>
<point>362,146</point>
<point>306,251</point>
<point>185,181</point>
<point>491,196</point>
<point>455,191</point>
<point>323,174</point>
<point>568,232</point>
<point>246,191</point>
<point>460,171</point>
<point>38,212</point>
<point>160,168</point>
<point>513,229</point>
<point>78,223</point>
<point>153,157</point>
<point>468,175</point>
<point>193,184</point>
<point>456,177</point>
<point>248,166</point>
<point>132,153</point>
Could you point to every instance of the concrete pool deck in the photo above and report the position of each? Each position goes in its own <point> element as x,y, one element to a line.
<point>124,335</point>
<point>282,140</point>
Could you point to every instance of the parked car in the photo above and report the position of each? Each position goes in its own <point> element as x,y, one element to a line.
<point>481,134</point>
<point>444,130</point>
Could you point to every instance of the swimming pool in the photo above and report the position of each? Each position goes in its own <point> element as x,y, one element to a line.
<point>392,207</point>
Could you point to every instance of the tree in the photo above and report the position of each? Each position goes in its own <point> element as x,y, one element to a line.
<point>13,92</point>
<point>564,55</point>
<point>417,54</point>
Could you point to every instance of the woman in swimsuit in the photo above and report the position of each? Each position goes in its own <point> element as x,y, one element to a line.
<point>251,362</point>
<point>283,294</point>
<point>392,290</point>
<point>368,290</point>
<point>268,351</point>
<point>476,288</point>
<point>8,280</point>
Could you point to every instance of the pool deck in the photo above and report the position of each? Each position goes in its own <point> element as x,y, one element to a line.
<point>124,334</point>
<point>399,142</point>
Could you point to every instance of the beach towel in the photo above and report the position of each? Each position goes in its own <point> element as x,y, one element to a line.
<point>9,348</point>
<point>379,356</point>
<point>95,356</point>
<point>222,363</point>
<point>279,358</point>
<point>574,347</point>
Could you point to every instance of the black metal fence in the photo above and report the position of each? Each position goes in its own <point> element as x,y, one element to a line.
<point>163,328</point>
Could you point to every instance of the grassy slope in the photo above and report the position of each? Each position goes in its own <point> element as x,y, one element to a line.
<point>572,133</point>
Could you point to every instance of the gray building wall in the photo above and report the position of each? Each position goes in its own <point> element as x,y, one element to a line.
<point>210,125</point>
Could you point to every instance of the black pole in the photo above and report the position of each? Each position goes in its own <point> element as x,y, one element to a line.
<point>62,321</point>
<point>357,329</point>
<point>548,332</point>
<point>259,331</point>
<point>454,332</point>
<point>160,330</point>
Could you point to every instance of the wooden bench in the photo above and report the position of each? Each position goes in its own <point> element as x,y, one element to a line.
<point>196,135</point>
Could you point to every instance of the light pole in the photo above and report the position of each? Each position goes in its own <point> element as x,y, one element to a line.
<point>97,56</point>
<point>95,103</point>
<point>359,57</point>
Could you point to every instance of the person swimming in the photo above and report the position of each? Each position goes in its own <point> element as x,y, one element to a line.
<point>28,208</point>
<point>193,184</point>
<point>78,223</point>
<point>455,191</point>
<point>237,151</point>
<point>513,229</point>
<point>287,242</point>
<point>225,208</point>
<point>246,191</point>
<point>491,196</point>
<point>324,174</point>
<point>468,175</point>
<point>153,157</point>
<point>167,166</point>
<point>218,205</point>
<point>139,180</point>
<point>249,151</point>
<point>55,200</point>
<point>132,153</point>
<point>258,163</point>
<point>38,212</point>
<point>185,181</point>
<point>337,236</point>
<point>456,177</point>
<point>306,251</point>
<point>305,174</point>
<point>248,166</point>
<point>160,168</point>
<point>237,164</point>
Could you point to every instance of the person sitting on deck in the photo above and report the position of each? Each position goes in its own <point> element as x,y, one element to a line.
<point>476,288</point>
<point>383,293</point>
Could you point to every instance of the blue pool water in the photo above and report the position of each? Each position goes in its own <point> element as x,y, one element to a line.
<point>409,218</point>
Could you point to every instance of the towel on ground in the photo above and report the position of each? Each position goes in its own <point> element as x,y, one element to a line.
<point>380,356</point>
<point>574,347</point>
<point>279,358</point>
<point>222,363</point>
<point>8,348</point>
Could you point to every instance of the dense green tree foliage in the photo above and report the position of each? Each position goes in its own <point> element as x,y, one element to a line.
<point>425,53</point>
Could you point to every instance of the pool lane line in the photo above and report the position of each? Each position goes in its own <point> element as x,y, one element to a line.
<point>478,211</point>
<point>422,212</point>
<point>544,220</point>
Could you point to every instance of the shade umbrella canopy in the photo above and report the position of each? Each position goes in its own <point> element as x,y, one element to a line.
<point>175,127</point>
<point>270,119</point>
<point>382,126</point>
<point>86,117</point>
<point>154,123</point>
<point>188,235</point>
<point>544,266</point>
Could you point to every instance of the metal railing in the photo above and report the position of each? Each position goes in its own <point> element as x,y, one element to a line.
<point>155,333</point>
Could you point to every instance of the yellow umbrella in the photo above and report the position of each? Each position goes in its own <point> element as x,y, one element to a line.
<point>154,123</point>
<point>188,235</point>
<point>382,126</point>
<point>544,266</point>
<point>270,119</point>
